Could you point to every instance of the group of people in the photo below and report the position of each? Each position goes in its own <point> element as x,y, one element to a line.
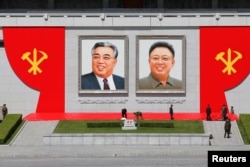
<point>139,114</point>
<point>224,112</point>
<point>4,110</point>
<point>161,60</point>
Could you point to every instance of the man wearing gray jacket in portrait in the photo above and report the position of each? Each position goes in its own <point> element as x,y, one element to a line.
<point>161,61</point>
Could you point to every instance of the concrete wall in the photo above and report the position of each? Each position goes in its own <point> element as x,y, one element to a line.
<point>20,98</point>
<point>126,139</point>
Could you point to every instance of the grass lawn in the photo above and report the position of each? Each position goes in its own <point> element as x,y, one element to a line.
<point>68,126</point>
<point>9,127</point>
<point>244,127</point>
<point>15,132</point>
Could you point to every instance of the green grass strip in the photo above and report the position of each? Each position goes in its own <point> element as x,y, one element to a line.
<point>79,126</point>
<point>244,127</point>
<point>8,126</point>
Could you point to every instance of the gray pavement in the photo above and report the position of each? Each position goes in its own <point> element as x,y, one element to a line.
<point>216,128</point>
<point>29,143</point>
<point>32,133</point>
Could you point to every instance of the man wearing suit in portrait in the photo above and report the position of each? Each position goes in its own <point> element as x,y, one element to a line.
<point>104,60</point>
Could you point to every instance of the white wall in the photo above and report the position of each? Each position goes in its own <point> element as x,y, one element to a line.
<point>21,99</point>
<point>18,97</point>
<point>72,99</point>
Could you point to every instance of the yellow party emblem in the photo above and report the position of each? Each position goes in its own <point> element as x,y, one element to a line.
<point>34,61</point>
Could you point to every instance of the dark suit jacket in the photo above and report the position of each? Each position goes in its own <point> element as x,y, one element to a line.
<point>89,81</point>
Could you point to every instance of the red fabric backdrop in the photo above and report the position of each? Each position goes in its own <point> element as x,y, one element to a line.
<point>36,54</point>
<point>224,63</point>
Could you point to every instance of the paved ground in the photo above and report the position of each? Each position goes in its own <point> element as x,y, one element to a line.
<point>216,128</point>
<point>29,143</point>
<point>33,132</point>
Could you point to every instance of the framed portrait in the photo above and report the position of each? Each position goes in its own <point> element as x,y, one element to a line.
<point>103,58</point>
<point>161,65</point>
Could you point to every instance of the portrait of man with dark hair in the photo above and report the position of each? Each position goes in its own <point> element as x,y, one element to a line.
<point>161,60</point>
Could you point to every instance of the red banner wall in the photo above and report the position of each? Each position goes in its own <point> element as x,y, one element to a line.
<point>224,63</point>
<point>36,54</point>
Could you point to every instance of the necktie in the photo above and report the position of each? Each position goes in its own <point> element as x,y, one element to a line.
<point>105,84</point>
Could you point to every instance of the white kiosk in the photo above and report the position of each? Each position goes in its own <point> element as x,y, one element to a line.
<point>129,125</point>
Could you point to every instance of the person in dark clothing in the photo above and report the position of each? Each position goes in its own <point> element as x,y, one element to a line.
<point>232,109</point>
<point>138,115</point>
<point>224,112</point>
<point>171,112</point>
<point>4,110</point>
<point>124,113</point>
<point>208,112</point>
<point>227,128</point>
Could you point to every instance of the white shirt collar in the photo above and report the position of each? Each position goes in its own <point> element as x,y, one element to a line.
<point>110,82</point>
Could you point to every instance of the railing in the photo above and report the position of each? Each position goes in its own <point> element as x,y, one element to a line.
<point>122,15</point>
<point>131,19</point>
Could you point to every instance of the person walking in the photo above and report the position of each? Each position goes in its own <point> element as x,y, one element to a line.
<point>232,109</point>
<point>224,112</point>
<point>171,112</point>
<point>227,128</point>
<point>4,110</point>
<point>124,113</point>
<point>208,112</point>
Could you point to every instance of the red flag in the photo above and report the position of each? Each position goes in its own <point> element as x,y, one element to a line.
<point>36,54</point>
<point>224,63</point>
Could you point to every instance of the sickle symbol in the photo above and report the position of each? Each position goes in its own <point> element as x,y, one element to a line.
<point>229,63</point>
<point>34,63</point>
